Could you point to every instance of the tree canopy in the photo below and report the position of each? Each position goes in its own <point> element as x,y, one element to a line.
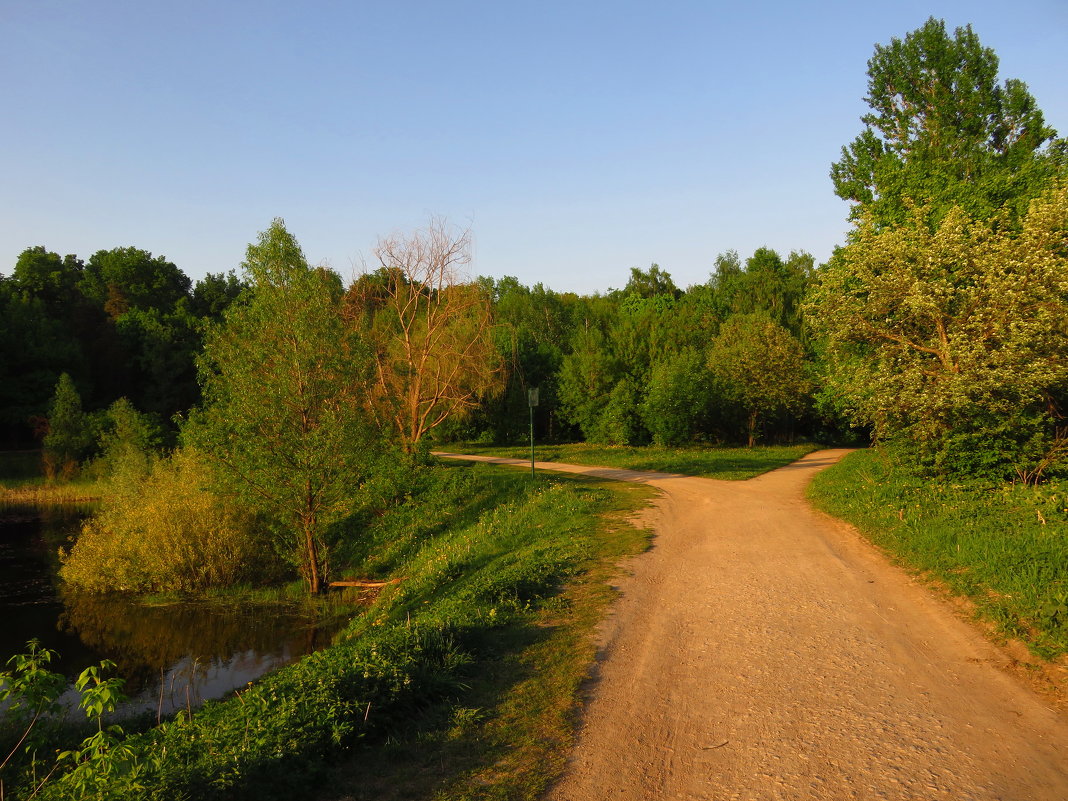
<point>953,337</point>
<point>943,131</point>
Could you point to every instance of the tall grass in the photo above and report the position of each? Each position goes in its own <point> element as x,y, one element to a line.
<point>1004,547</point>
<point>22,481</point>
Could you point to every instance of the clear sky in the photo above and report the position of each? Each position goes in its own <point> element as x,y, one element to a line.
<point>575,139</point>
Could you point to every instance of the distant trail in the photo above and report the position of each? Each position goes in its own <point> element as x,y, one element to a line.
<point>762,651</point>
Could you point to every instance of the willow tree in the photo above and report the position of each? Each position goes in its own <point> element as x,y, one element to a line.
<point>430,331</point>
<point>284,415</point>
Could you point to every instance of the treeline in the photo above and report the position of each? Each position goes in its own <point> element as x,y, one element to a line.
<point>651,363</point>
<point>124,324</point>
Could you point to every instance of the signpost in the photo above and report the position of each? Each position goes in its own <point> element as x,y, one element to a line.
<point>532,401</point>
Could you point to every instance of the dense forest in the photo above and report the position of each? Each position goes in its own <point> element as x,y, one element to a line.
<point>248,426</point>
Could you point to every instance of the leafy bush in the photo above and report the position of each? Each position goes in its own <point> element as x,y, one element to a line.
<point>30,693</point>
<point>677,406</point>
<point>169,532</point>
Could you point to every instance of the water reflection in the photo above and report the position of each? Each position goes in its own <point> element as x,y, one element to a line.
<point>188,652</point>
<point>171,655</point>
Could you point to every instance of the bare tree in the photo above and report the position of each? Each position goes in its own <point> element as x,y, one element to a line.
<point>430,328</point>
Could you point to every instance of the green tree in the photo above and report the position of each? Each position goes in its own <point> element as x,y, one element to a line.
<point>128,443</point>
<point>651,283</point>
<point>213,293</point>
<point>587,375</point>
<point>760,367</point>
<point>39,273</point>
<point>69,437</point>
<point>130,278</point>
<point>35,348</point>
<point>679,398</point>
<point>161,348</point>
<point>285,401</point>
<point>953,337</point>
<point>943,131</point>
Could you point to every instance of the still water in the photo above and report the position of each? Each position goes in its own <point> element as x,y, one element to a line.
<point>172,656</point>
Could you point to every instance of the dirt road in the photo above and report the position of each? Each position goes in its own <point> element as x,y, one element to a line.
<point>763,651</point>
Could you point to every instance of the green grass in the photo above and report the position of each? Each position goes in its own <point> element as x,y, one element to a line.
<point>22,482</point>
<point>549,548</point>
<point>732,464</point>
<point>1005,548</point>
<point>460,681</point>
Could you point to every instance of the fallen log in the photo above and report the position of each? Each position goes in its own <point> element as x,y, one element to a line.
<point>365,583</point>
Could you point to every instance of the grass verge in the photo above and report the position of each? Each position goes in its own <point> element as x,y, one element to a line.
<point>733,464</point>
<point>459,681</point>
<point>1004,548</point>
<point>21,482</point>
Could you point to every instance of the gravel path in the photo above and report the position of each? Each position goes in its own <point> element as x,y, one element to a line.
<point>762,651</point>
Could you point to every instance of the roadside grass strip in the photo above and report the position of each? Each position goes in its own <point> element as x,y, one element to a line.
<point>731,464</point>
<point>1003,547</point>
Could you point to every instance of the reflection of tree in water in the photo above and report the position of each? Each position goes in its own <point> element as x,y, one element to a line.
<point>147,641</point>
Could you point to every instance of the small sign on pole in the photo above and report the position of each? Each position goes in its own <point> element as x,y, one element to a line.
<point>532,401</point>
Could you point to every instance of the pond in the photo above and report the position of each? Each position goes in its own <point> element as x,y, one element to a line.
<point>172,656</point>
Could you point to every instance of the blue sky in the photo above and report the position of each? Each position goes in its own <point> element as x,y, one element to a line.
<point>576,140</point>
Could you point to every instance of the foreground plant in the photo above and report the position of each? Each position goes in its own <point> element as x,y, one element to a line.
<point>32,692</point>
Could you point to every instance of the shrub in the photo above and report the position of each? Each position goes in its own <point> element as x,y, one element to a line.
<point>677,407</point>
<point>169,532</point>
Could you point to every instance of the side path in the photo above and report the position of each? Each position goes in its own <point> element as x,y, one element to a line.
<point>761,651</point>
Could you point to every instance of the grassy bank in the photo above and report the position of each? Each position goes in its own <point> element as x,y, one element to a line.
<point>457,681</point>
<point>21,482</point>
<point>708,461</point>
<point>1005,548</point>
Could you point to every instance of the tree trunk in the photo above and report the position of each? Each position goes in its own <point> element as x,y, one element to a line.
<point>312,555</point>
<point>752,429</point>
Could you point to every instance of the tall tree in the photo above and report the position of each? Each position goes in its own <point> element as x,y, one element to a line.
<point>431,331</point>
<point>943,131</point>
<point>651,283</point>
<point>43,275</point>
<point>123,278</point>
<point>213,293</point>
<point>285,401</point>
